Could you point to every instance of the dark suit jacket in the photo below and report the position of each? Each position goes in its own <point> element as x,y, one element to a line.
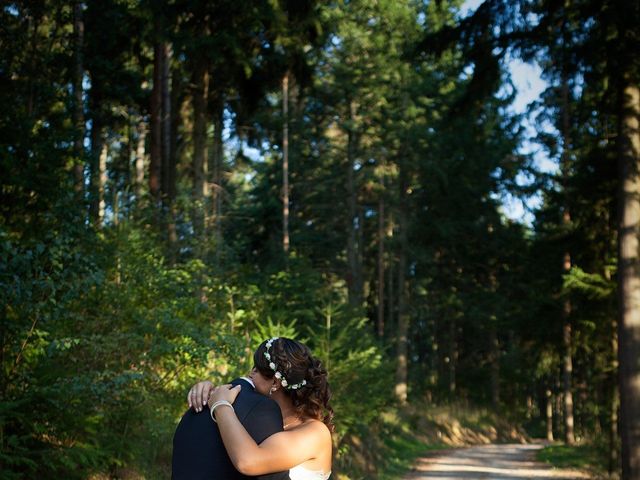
<point>198,451</point>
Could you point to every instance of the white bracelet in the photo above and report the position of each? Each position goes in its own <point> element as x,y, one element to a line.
<point>217,404</point>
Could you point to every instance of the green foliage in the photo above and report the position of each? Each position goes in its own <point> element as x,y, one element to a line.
<point>401,136</point>
<point>593,286</point>
<point>98,343</point>
<point>588,457</point>
<point>356,366</point>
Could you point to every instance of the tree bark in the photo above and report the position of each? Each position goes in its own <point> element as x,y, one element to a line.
<point>217,159</point>
<point>494,344</point>
<point>391,294</point>
<point>615,405</point>
<point>629,279</point>
<point>141,132</point>
<point>167,164</point>
<point>453,357</point>
<point>155,164</point>
<point>78,104</point>
<point>355,275</point>
<point>169,151</point>
<point>567,365</point>
<point>177,98</point>
<point>95,177</point>
<point>381,236</point>
<point>401,387</point>
<point>549,414</point>
<point>495,367</point>
<point>567,371</point>
<point>559,399</point>
<point>285,164</point>
<point>102,181</point>
<point>200,188</point>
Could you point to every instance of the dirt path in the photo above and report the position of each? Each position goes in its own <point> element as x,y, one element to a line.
<point>489,462</point>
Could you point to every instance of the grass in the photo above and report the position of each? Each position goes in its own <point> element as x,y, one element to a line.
<point>388,448</point>
<point>585,457</point>
<point>385,450</point>
<point>402,448</point>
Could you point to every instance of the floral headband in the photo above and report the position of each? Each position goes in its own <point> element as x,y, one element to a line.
<point>274,367</point>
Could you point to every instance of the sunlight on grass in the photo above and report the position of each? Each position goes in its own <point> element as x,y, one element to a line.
<point>389,448</point>
<point>403,449</point>
<point>585,457</point>
<point>564,456</point>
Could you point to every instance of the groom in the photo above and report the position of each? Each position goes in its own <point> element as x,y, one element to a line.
<point>198,451</point>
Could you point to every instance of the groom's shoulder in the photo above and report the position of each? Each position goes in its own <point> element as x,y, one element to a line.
<point>247,395</point>
<point>250,402</point>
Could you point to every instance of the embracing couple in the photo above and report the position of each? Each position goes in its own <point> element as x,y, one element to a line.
<point>274,424</point>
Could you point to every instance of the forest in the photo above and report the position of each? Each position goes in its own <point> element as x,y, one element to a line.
<point>182,179</point>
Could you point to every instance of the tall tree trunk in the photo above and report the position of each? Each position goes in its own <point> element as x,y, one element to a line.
<point>494,343</point>
<point>155,164</point>
<point>165,123</point>
<point>391,294</point>
<point>95,179</point>
<point>381,236</point>
<point>391,259</point>
<point>567,365</point>
<point>434,362</point>
<point>629,278</point>
<point>452,357</point>
<point>355,276</point>
<point>177,98</point>
<point>169,106</point>
<point>78,103</point>
<point>126,157</point>
<point>141,132</point>
<point>614,405</point>
<point>403,320</point>
<point>200,187</point>
<point>359,250</point>
<point>217,159</point>
<point>549,414</point>
<point>567,371</point>
<point>285,164</point>
<point>495,366</point>
<point>102,182</point>
<point>559,402</point>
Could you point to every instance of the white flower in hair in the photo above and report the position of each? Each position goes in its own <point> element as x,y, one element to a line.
<point>274,367</point>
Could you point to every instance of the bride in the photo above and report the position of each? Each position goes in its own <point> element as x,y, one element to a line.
<point>285,370</point>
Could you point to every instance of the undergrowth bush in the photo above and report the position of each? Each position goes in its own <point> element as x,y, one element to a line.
<point>100,345</point>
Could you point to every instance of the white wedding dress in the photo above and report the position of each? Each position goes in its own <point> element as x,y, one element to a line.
<point>301,473</point>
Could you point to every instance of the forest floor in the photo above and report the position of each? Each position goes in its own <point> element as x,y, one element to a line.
<point>490,462</point>
<point>459,442</point>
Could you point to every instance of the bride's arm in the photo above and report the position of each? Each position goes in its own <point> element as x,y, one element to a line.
<point>281,451</point>
<point>275,454</point>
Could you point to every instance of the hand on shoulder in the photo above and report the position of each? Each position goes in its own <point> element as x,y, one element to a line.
<point>224,393</point>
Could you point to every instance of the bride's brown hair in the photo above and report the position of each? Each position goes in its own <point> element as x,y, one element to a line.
<point>296,363</point>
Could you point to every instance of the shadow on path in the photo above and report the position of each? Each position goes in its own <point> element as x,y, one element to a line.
<point>487,462</point>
